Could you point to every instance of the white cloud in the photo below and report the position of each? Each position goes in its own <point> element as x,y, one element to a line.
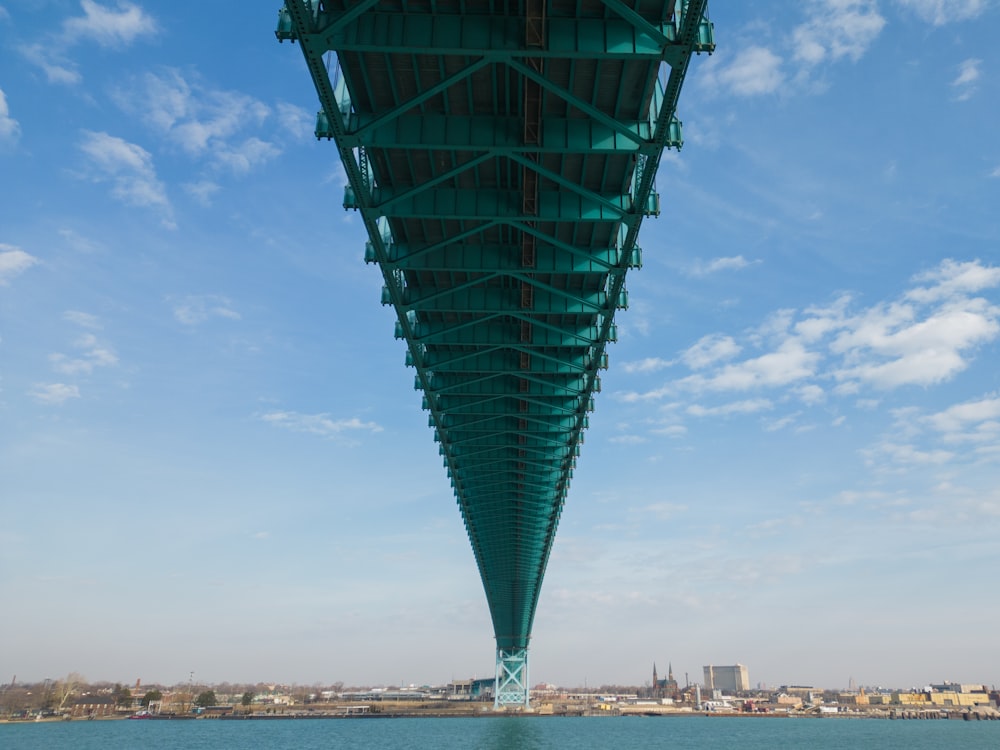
<point>129,168</point>
<point>13,261</point>
<point>671,431</point>
<point>773,425</point>
<point>836,29</point>
<point>905,454</point>
<point>926,336</point>
<point>715,265</point>
<point>965,83</point>
<point>753,71</point>
<point>789,363</point>
<point>749,406</point>
<point>92,354</point>
<point>665,511</point>
<point>53,63</point>
<point>709,350</point>
<point>811,394</point>
<point>54,393</point>
<point>299,122</point>
<point>820,321</point>
<point>650,364</point>
<point>78,242</point>
<point>969,422</point>
<point>940,12</point>
<point>86,320</point>
<point>202,191</point>
<point>249,154</point>
<point>968,72</point>
<point>952,279</point>
<point>109,27</point>
<point>202,121</point>
<point>317,424</point>
<point>196,309</point>
<point>9,127</point>
<point>905,343</point>
<point>627,439</point>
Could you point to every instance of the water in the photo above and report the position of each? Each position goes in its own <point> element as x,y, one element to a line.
<point>502,733</point>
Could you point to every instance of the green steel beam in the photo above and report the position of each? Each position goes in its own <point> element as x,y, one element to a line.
<point>500,205</point>
<point>501,136</point>
<point>496,37</point>
<point>549,257</point>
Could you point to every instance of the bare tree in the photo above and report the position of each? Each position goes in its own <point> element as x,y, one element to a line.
<point>64,689</point>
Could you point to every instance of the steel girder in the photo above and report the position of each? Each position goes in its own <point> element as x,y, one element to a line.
<point>501,154</point>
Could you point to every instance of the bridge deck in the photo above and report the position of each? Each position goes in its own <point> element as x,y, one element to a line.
<point>502,156</point>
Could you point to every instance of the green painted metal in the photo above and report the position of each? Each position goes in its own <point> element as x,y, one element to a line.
<point>502,156</point>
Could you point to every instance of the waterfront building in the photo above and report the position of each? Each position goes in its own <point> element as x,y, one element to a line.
<point>667,687</point>
<point>734,679</point>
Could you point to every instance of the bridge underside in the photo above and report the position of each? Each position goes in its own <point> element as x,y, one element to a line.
<point>502,156</point>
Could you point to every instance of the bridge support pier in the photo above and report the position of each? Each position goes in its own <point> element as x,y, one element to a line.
<point>512,679</point>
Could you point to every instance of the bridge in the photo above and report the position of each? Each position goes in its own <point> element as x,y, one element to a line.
<point>502,155</point>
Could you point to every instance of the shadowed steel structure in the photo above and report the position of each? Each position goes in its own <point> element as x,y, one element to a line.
<point>502,155</point>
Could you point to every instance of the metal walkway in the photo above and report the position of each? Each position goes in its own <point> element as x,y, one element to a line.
<point>502,154</point>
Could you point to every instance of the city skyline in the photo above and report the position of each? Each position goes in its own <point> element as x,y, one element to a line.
<point>213,458</point>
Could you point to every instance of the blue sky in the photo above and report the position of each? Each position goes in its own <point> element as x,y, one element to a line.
<point>212,458</point>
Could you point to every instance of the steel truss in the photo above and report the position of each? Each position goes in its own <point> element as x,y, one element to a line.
<point>512,686</point>
<point>502,156</point>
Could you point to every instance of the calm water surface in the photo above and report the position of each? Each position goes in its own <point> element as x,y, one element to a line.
<point>500,733</point>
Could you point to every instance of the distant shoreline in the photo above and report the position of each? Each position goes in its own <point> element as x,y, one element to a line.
<point>888,716</point>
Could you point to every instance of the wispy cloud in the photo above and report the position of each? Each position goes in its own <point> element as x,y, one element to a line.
<point>318,424</point>
<point>836,29</point>
<point>78,242</point>
<point>53,62</point>
<point>905,454</point>
<point>243,157</point>
<point>82,319</point>
<point>627,439</point>
<point>109,27</point>
<point>296,120</point>
<point>774,425</point>
<point>940,12</point>
<point>789,363</point>
<point>91,354</point>
<point>9,127</point>
<point>129,168</point>
<point>201,120</point>
<point>664,511</point>
<point>734,263</point>
<point>196,309</point>
<point>54,393</point>
<point>748,406</point>
<point>13,261</point>
<point>926,336</point>
<point>753,71</point>
<point>710,349</point>
<point>969,422</point>
<point>833,30</point>
<point>965,83</point>
<point>650,364</point>
<point>202,191</point>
